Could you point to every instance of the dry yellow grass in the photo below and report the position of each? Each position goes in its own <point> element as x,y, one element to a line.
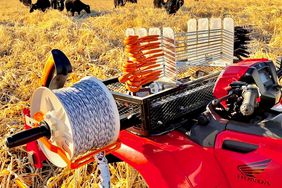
<point>93,43</point>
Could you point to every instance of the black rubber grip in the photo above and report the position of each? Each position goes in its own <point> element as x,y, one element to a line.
<point>27,136</point>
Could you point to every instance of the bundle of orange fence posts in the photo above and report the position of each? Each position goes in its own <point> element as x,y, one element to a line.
<point>142,66</point>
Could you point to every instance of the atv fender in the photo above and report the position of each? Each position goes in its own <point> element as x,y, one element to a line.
<point>171,160</point>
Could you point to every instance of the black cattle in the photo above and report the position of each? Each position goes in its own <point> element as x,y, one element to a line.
<point>40,5</point>
<point>119,3</point>
<point>26,2</point>
<point>172,6</point>
<point>159,3</point>
<point>131,1</point>
<point>58,4</point>
<point>76,6</point>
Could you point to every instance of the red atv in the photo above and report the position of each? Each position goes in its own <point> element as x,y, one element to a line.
<point>216,131</point>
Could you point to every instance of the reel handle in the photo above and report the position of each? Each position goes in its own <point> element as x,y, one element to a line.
<point>27,136</point>
<point>35,133</point>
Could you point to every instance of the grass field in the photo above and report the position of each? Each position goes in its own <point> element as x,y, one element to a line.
<point>93,43</point>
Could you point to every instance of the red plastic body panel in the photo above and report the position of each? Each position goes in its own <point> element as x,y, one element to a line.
<point>232,73</point>
<point>269,152</point>
<point>32,148</point>
<point>171,160</point>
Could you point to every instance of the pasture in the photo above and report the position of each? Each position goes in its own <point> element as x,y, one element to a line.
<point>94,44</point>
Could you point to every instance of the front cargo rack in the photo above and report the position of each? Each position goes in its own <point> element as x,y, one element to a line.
<point>165,110</point>
<point>193,58</point>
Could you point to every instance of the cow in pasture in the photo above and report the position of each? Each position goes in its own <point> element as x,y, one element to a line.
<point>172,6</point>
<point>119,3</point>
<point>40,5</point>
<point>159,3</point>
<point>131,1</point>
<point>26,2</point>
<point>76,6</point>
<point>58,4</point>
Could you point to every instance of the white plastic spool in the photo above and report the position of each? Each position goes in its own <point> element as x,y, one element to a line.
<point>81,118</point>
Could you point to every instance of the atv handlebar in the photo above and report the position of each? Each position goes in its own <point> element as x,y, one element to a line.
<point>27,136</point>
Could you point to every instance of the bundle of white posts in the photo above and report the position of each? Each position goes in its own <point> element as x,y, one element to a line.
<point>207,42</point>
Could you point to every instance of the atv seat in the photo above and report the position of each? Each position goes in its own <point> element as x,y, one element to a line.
<point>274,125</point>
<point>270,127</point>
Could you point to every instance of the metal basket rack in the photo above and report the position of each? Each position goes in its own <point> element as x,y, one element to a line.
<point>195,58</point>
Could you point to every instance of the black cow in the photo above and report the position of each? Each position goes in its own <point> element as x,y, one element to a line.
<point>26,2</point>
<point>131,1</point>
<point>40,5</point>
<point>58,4</point>
<point>172,6</point>
<point>159,3</point>
<point>119,3</point>
<point>76,6</point>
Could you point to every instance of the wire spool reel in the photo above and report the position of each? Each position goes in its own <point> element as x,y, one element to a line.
<point>81,118</point>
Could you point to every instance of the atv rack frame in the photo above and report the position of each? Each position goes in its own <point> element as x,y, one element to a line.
<point>165,110</point>
<point>206,46</point>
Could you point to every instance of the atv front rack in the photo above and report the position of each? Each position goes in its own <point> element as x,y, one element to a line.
<point>165,110</point>
<point>204,49</point>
